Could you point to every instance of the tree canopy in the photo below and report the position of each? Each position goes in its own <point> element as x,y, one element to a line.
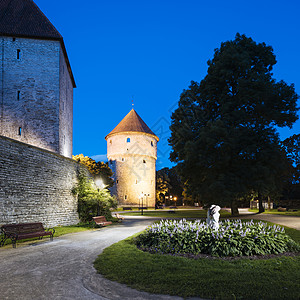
<point>168,182</point>
<point>224,132</point>
<point>98,169</point>
<point>292,183</point>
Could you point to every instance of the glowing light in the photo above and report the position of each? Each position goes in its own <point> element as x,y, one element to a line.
<point>99,183</point>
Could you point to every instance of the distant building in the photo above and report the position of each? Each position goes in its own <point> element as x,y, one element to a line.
<point>132,154</point>
<point>36,80</point>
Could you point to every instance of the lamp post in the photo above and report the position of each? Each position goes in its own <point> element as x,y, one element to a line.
<point>175,199</point>
<point>141,196</point>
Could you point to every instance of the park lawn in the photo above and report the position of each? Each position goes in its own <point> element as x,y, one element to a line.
<point>276,212</point>
<point>59,231</point>
<point>274,278</point>
<point>164,213</point>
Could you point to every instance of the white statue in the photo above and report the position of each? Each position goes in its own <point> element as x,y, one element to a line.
<point>213,216</point>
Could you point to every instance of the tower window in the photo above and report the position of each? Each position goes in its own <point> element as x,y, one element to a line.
<point>136,181</point>
<point>144,161</point>
<point>14,39</point>
<point>128,140</point>
<point>151,143</point>
<point>110,141</point>
<point>18,95</point>
<point>125,197</point>
<point>18,53</point>
<point>123,159</point>
<point>117,181</point>
<point>20,131</point>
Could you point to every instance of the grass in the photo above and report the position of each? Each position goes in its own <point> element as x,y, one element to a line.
<point>276,212</point>
<point>59,231</point>
<point>274,278</point>
<point>164,213</point>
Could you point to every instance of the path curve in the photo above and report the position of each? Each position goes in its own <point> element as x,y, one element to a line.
<point>63,269</point>
<point>289,221</point>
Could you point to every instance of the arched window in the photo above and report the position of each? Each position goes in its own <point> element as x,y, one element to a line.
<point>128,140</point>
<point>151,143</point>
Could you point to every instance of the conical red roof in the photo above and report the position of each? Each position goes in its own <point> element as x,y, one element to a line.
<point>132,123</point>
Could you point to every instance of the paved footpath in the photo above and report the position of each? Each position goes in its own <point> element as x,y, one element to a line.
<point>63,269</point>
<point>289,221</point>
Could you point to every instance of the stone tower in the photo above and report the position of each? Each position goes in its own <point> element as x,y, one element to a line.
<point>132,154</point>
<point>36,80</point>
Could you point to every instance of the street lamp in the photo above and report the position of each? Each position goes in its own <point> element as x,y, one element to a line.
<point>141,197</point>
<point>99,183</point>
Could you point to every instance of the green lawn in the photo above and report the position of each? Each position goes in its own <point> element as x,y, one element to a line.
<point>275,278</point>
<point>276,212</point>
<point>164,213</point>
<point>59,231</point>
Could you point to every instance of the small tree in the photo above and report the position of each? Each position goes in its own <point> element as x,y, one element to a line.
<point>162,185</point>
<point>92,201</point>
<point>98,169</point>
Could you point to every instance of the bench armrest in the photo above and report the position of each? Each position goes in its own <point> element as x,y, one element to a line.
<point>51,229</point>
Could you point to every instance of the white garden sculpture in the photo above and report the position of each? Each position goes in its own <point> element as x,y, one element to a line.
<point>213,216</point>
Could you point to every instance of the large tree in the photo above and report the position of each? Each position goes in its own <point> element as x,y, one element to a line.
<point>223,133</point>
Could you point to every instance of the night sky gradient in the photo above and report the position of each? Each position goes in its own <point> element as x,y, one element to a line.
<point>151,50</point>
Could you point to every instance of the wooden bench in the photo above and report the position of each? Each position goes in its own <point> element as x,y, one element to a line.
<point>101,221</point>
<point>23,231</point>
<point>119,217</point>
<point>127,208</point>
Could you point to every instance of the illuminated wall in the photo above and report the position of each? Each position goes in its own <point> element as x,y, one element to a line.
<point>132,158</point>
<point>36,94</point>
<point>36,185</point>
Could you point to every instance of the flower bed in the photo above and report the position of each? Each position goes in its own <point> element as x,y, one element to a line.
<point>234,238</point>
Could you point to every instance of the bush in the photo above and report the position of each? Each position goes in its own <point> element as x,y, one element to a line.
<point>93,201</point>
<point>234,238</point>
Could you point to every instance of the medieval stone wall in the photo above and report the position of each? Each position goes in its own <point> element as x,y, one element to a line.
<point>35,185</point>
<point>36,94</point>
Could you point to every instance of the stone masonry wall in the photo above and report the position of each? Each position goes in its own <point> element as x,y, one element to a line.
<point>132,158</point>
<point>36,94</point>
<point>36,184</point>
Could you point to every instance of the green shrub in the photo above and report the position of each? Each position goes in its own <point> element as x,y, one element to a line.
<point>93,201</point>
<point>234,238</point>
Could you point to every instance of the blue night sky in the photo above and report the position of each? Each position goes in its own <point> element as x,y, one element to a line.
<point>151,50</point>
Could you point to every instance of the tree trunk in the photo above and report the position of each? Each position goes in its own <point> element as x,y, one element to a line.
<point>269,203</point>
<point>260,204</point>
<point>234,208</point>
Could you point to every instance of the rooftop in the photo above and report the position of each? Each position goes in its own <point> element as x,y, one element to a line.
<point>132,122</point>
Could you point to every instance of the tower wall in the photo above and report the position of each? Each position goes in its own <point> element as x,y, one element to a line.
<point>36,94</point>
<point>133,163</point>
